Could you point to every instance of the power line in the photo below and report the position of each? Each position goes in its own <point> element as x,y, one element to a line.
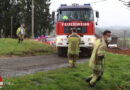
<point>97,1</point>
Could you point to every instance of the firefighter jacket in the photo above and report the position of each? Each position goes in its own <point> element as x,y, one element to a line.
<point>96,63</point>
<point>19,33</point>
<point>74,41</point>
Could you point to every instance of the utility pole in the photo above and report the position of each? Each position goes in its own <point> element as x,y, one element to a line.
<point>11,26</point>
<point>32,18</point>
<point>124,39</point>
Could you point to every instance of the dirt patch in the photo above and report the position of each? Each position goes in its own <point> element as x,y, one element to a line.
<point>19,66</point>
<point>28,53</point>
<point>120,51</point>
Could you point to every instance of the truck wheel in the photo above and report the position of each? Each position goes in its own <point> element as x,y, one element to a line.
<point>60,52</point>
<point>90,53</point>
<point>65,51</point>
<point>85,52</point>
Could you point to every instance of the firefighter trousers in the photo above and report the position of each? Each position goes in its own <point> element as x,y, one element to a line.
<point>72,59</point>
<point>96,76</point>
<point>20,38</point>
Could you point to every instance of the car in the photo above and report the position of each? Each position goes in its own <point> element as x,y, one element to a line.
<point>50,40</point>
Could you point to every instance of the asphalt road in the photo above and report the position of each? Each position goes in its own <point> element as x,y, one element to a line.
<point>18,66</point>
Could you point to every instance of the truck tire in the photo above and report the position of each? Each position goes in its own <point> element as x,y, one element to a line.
<point>85,52</point>
<point>65,51</point>
<point>90,53</point>
<point>62,51</point>
<point>59,52</point>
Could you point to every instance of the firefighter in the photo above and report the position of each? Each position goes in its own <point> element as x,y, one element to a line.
<point>20,33</point>
<point>73,47</point>
<point>65,18</point>
<point>96,61</point>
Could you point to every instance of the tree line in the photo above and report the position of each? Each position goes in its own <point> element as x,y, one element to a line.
<point>127,3</point>
<point>20,11</point>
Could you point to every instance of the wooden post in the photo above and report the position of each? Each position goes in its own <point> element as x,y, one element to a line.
<point>11,26</point>
<point>32,19</point>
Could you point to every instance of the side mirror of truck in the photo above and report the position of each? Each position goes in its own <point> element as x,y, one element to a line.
<point>57,15</point>
<point>53,17</point>
<point>97,14</point>
<point>96,23</point>
<point>60,12</point>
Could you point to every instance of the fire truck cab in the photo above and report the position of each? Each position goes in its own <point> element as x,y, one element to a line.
<point>82,18</point>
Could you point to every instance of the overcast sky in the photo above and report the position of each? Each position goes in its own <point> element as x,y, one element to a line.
<point>112,12</point>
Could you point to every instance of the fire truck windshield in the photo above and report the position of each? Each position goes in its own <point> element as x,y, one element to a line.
<point>76,15</point>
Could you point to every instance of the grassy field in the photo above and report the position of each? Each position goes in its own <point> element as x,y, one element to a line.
<point>116,76</point>
<point>28,47</point>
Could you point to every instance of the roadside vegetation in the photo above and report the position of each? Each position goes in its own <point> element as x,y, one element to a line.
<point>116,76</point>
<point>28,47</point>
<point>122,43</point>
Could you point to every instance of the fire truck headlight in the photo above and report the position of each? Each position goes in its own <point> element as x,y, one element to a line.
<point>59,40</point>
<point>92,40</point>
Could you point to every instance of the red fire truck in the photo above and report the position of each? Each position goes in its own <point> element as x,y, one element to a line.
<point>82,18</point>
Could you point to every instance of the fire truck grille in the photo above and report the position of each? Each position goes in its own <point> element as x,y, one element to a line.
<point>67,29</point>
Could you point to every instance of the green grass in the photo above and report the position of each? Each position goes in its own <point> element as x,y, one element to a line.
<point>116,74</point>
<point>28,47</point>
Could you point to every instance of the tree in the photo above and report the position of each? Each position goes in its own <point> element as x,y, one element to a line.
<point>21,12</point>
<point>5,16</point>
<point>127,3</point>
<point>43,20</point>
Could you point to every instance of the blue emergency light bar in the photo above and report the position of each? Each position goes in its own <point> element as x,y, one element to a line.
<point>62,5</point>
<point>87,4</point>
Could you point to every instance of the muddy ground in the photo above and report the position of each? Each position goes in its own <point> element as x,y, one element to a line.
<point>16,66</point>
<point>120,51</point>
